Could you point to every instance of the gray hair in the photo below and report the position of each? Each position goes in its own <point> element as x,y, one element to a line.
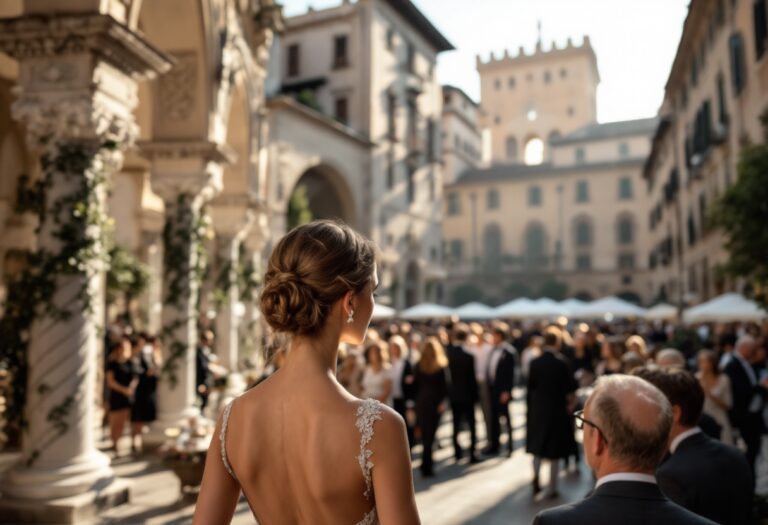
<point>670,357</point>
<point>635,418</point>
<point>744,340</point>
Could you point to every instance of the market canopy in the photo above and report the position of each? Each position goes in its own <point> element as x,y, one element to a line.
<point>610,307</point>
<point>516,309</point>
<point>381,311</point>
<point>571,307</point>
<point>475,310</point>
<point>730,307</point>
<point>426,311</point>
<point>661,312</point>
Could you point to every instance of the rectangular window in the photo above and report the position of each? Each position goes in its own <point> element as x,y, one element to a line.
<point>583,262</point>
<point>722,109</point>
<point>492,200</point>
<point>581,155</point>
<point>411,185</point>
<point>626,261</point>
<point>457,250</point>
<point>431,142</point>
<point>390,39</point>
<point>340,59</point>
<point>410,58</point>
<point>390,171</point>
<point>738,72</point>
<point>625,188</point>
<point>454,204</point>
<point>582,191</point>
<point>623,150</point>
<point>392,116</point>
<point>341,110</point>
<point>293,60</point>
<point>534,196</point>
<point>761,27</point>
<point>511,82</point>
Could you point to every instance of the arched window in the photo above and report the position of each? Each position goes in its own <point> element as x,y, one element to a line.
<point>535,244</point>
<point>626,229</point>
<point>583,232</point>
<point>534,151</point>
<point>511,149</point>
<point>492,247</point>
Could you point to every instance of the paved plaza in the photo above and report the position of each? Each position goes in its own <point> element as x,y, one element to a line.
<point>496,491</point>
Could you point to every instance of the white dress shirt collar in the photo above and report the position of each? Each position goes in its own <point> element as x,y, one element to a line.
<point>626,476</point>
<point>679,439</point>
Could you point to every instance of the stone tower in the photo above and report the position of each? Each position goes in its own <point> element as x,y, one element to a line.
<point>528,99</point>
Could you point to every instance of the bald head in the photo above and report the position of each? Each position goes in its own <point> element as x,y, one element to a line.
<point>670,358</point>
<point>635,418</point>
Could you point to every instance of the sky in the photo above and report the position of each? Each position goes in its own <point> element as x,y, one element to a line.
<point>635,42</point>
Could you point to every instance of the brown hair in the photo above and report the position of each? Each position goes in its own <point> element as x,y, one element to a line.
<point>311,268</point>
<point>681,388</point>
<point>432,356</point>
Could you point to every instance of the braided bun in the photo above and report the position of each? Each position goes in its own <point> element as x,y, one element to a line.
<point>311,268</point>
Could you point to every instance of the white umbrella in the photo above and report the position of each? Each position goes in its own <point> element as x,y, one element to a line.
<point>610,306</point>
<point>381,311</point>
<point>661,312</point>
<point>426,311</point>
<point>544,308</point>
<point>571,307</point>
<point>514,309</point>
<point>730,307</point>
<point>475,310</point>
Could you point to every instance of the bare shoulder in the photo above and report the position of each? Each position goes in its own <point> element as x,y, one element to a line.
<point>389,425</point>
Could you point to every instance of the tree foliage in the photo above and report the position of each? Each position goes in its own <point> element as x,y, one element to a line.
<point>299,211</point>
<point>742,214</point>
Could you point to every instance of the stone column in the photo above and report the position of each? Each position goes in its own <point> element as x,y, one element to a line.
<point>77,92</point>
<point>186,175</point>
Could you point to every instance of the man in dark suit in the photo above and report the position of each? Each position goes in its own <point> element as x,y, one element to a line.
<point>402,372</point>
<point>500,380</point>
<point>550,400</point>
<point>462,389</point>
<point>626,423</point>
<point>703,475</point>
<point>748,396</point>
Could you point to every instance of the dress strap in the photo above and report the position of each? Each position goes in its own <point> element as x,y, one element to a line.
<point>223,438</point>
<point>367,414</point>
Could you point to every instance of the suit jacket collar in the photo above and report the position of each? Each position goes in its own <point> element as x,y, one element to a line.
<point>630,490</point>
<point>691,441</point>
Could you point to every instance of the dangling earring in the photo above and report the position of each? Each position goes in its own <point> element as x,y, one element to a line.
<point>351,318</point>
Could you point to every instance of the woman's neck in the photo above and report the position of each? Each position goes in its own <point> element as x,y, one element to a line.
<point>314,354</point>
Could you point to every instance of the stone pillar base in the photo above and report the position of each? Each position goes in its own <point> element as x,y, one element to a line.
<point>83,508</point>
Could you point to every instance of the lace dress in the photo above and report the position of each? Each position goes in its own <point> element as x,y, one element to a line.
<point>367,414</point>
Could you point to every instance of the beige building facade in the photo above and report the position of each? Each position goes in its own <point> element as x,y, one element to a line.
<point>462,142</point>
<point>528,99</point>
<point>572,227</point>
<point>716,91</point>
<point>366,72</point>
<point>119,126</point>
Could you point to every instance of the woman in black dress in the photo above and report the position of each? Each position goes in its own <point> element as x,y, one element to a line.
<point>430,385</point>
<point>147,361</point>
<point>121,380</point>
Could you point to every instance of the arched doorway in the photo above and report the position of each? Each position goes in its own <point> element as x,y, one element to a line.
<point>320,193</point>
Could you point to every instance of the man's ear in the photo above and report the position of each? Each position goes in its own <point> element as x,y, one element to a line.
<point>677,413</point>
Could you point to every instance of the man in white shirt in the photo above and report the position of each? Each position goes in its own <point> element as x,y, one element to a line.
<point>626,423</point>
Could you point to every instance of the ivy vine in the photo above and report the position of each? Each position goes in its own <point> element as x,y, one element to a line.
<point>188,227</point>
<point>78,227</point>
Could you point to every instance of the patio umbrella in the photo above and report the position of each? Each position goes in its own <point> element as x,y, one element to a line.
<point>425,311</point>
<point>730,307</point>
<point>475,311</point>
<point>661,312</point>
<point>381,312</point>
<point>516,309</point>
<point>610,306</point>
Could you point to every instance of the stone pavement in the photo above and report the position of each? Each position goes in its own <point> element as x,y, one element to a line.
<point>496,491</point>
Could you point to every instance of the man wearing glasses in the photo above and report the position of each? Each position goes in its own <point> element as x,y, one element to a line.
<point>626,423</point>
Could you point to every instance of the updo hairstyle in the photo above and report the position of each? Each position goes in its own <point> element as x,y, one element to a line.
<point>311,268</point>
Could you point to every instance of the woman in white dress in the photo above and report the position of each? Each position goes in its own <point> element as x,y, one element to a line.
<point>298,445</point>
<point>377,378</point>
<point>717,390</point>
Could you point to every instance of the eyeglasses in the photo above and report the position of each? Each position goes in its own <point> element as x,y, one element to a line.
<point>580,421</point>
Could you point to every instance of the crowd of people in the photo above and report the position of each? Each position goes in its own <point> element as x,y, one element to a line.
<point>715,381</point>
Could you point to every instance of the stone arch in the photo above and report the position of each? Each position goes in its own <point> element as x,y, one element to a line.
<point>327,193</point>
<point>533,150</point>
<point>492,247</point>
<point>535,244</point>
